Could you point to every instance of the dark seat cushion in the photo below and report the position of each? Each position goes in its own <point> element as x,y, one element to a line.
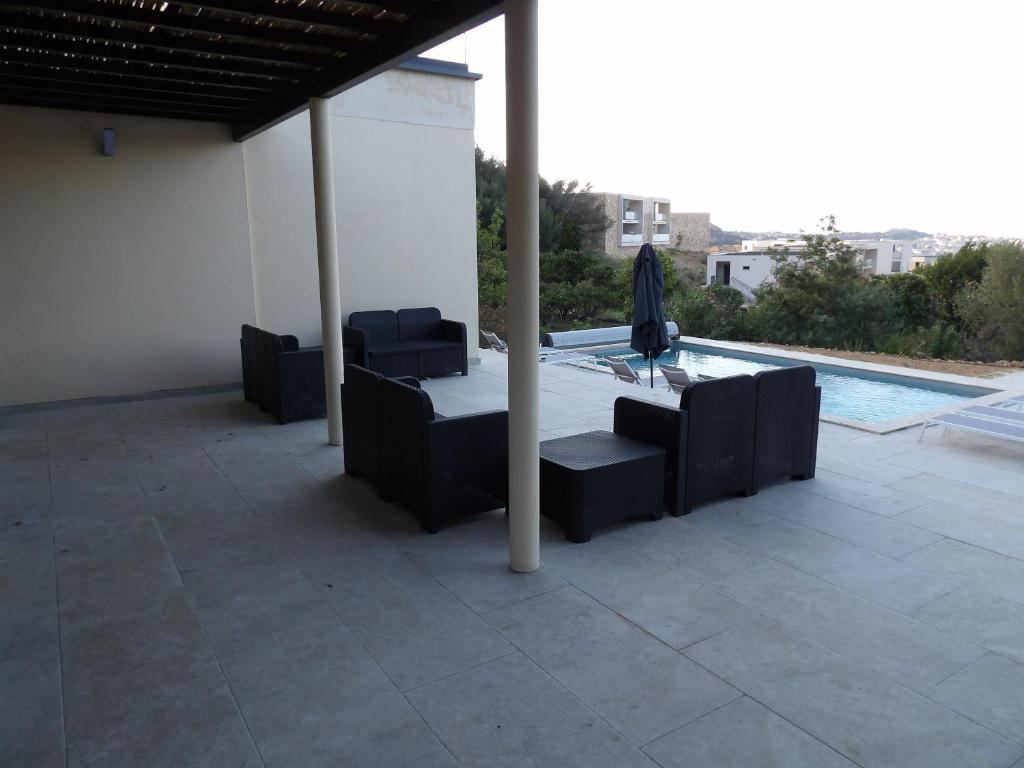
<point>395,348</point>
<point>429,346</point>
<point>419,324</point>
<point>381,325</point>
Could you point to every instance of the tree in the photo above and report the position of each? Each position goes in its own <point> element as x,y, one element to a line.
<point>913,299</point>
<point>491,192</point>
<point>948,276</point>
<point>821,297</point>
<point>569,216</point>
<point>711,312</point>
<point>492,273</point>
<point>992,311</point>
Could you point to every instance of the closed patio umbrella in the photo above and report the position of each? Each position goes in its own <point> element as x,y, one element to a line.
<point>649,336</point>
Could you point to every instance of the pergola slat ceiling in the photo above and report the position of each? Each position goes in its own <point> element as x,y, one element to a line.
<point>250,63</point>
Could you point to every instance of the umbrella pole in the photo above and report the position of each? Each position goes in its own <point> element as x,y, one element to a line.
<point>652,371</point>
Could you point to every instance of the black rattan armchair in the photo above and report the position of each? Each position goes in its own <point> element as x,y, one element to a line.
<point>290,378</point>
<point>360,420</point>
<point>786,424</point>
<point>708,440</point>
<point>441,468</point>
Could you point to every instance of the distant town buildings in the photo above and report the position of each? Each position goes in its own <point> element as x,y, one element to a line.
<point>637,220</point>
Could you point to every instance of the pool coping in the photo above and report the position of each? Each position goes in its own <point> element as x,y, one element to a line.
<point>997,394</point>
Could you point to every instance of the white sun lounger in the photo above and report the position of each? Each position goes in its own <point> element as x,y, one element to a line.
<point>547,355</point>
<point>971,420</point>
<point>1016,402</point>
<point>560,357</point>
<point>995,412</point>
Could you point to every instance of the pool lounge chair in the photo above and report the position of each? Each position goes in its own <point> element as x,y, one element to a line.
<point>1016,403</point>
<point>496,344</point>
<point>676,377</point>
<point>547,355</point>
<point>981,420</point>
<point>623,371</point>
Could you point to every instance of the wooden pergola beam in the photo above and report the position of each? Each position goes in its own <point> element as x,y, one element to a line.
<point>21,27</point>
<point>185,72</point>
<point>296,14</point>
<point>175,19</point>
<point>359,67</point>
<point>59,46</point>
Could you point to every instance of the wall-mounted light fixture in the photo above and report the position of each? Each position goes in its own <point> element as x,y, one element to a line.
<point>108,142</point>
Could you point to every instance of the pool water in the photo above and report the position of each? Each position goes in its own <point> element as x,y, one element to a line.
<point>864,395</point>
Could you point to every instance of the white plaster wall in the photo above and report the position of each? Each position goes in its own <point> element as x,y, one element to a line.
<point>761,267</point>
<point>406,200</point>
<point>128,274</point>
<point>119,274</point>
<point>279,181</point>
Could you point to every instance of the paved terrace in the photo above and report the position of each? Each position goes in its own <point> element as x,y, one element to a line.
<point>185,583</point>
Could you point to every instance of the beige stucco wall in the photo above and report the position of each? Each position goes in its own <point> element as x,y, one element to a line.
<point>129,274</point>
<point>406,200</point>
<point>119,274</point>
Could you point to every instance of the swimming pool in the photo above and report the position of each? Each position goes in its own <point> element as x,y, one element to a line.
<point>861,395</point>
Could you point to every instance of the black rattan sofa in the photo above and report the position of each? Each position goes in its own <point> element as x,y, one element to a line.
<point>410,342</point>
<point>786,424</point>
<point>360,420</point>
<point>280,377</point>
<point>708,439</point>
<point>441,468</point>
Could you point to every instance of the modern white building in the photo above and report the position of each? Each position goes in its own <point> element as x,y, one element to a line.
<point>754,264</point>
<point>134,271</point>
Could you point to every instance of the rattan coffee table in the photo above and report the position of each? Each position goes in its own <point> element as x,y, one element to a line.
<point>594,479</point>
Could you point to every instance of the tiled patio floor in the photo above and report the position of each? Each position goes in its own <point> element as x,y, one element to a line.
<point>185,583</point>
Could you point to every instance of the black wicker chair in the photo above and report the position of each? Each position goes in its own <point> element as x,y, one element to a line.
<point>290,380</point>
<point>441,468</point>
<point>708,440</point>
<point>786,424</point>
<point>410,342</point>
<point>360,420</point>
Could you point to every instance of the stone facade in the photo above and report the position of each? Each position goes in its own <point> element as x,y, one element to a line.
<point>691,231</point>
<point>611,241</point>
<point>687,231</point>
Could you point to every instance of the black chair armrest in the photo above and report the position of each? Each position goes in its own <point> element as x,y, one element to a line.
<point>664,427</point>
<point>356,340</point>
<point>452,330</point>
<point>647,422</point>
<point>473,446</point>
<point>301,384</point>
<point>410,381</point>
<point>478,425</point>
<point>812,462</point>
<point>289,343</point>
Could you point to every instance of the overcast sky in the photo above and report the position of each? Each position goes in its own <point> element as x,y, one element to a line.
<point>771,115</point>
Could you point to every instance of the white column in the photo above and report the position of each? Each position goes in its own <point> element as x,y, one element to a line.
<point>327,260</point>
<point>523,228</point>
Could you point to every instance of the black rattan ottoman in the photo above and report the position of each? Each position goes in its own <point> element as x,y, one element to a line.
<point>598,478</point>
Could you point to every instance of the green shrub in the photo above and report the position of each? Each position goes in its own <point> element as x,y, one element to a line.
<point>993,310</point>
<point>713,312</point>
